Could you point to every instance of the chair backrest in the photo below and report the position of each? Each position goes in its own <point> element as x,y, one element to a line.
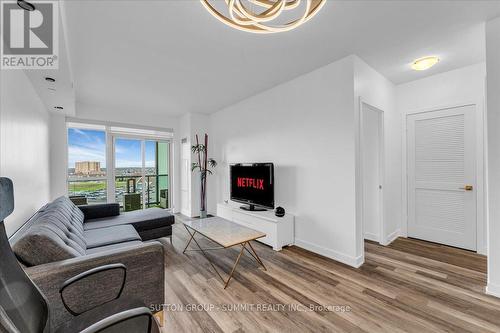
<point>20,299</point>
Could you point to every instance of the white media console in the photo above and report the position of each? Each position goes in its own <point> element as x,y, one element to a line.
<point>279,230</point>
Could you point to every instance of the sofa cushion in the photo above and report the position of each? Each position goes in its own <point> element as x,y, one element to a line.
<point>111,235</point>
<point>44,243</point>
<point>97,211</point>
<point>147,219</point>
<point>56,233</point>
<point>64,207</point>
<point>63,214</point>
<point>66,227</point>
<point>114,247</point>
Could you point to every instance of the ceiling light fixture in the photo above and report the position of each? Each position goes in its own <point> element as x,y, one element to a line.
<point>264,16</point>
<point>424,63</point>
<point>26,5</point>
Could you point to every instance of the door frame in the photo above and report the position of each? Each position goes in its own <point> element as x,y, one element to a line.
<point>481,237</point>
<point>363,106</point>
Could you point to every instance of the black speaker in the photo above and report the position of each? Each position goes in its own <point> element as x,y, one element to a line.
<point>279,212</point>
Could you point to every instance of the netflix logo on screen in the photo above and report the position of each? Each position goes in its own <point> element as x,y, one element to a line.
<point>253,184</point>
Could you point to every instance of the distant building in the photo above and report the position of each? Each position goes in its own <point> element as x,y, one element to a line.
<point>88,168</point>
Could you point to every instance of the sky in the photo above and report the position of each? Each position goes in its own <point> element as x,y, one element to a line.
<point>90,145</point>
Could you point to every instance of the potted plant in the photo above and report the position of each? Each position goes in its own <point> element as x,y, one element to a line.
<point>203,165</point>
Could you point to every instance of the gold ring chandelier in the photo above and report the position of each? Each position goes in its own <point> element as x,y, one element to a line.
<point>259,18</point>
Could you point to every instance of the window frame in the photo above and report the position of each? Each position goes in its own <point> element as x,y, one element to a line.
<point>118,130</point>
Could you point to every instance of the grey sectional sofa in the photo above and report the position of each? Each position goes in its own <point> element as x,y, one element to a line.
<point>62,240</point>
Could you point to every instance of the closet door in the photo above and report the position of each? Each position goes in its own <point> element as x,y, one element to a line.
<point>442,176</point>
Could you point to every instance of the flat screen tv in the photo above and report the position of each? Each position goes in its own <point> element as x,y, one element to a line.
<point>253,184</point>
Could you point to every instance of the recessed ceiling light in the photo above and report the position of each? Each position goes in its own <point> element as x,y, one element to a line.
<point>424,63</point>
<point>50,79</point>
<point>58,107</point>
<point>26,5</point>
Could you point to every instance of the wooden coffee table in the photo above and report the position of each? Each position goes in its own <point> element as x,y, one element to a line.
<point>226,234</point>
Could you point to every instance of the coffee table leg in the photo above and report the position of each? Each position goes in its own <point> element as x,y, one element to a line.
<point>235,264</point>
<point>190,239</point>
<point>256,256</point>
<point>243,248</point>
<point>202,251</point>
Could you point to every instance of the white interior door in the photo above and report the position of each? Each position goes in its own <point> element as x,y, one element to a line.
<point>372,166</point>
<point>442,177</point>
<point>185,172</point>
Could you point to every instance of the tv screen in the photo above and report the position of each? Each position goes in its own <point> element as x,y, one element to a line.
<point>253,184</point>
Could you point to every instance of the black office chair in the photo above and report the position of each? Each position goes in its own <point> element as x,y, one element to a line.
<point>24,309</point>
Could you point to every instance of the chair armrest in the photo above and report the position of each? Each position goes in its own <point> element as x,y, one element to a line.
<point>119,318</point>
<point>145,277</point>
<point>91,212</point>
<point>87,274</point>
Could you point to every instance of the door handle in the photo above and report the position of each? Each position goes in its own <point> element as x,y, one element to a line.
<point>466,188</point>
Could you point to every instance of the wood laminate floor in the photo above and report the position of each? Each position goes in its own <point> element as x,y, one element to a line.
<point>409,286</point>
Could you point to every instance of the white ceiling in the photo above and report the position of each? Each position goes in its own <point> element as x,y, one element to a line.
<point>173,57</point>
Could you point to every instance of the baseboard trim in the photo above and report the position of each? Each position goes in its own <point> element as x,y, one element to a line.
<point>493,289</point>
<point>329,253</point>
<point>372,237</point>
<point>391,237</point>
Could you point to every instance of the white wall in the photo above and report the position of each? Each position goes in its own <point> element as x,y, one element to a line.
<point>372,88</point>
<point>184,132</point>
<point>58,156</point>
<point>454,88</point>
<point>24,146</point>
<point>58,153</point>
<point>191,124</point>
<point>307,128</point>
<point>493,121</point>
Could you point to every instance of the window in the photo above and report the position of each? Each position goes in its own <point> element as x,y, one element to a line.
<point>87,181</point>
<point>119,164</point>
<point>141,173</point>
